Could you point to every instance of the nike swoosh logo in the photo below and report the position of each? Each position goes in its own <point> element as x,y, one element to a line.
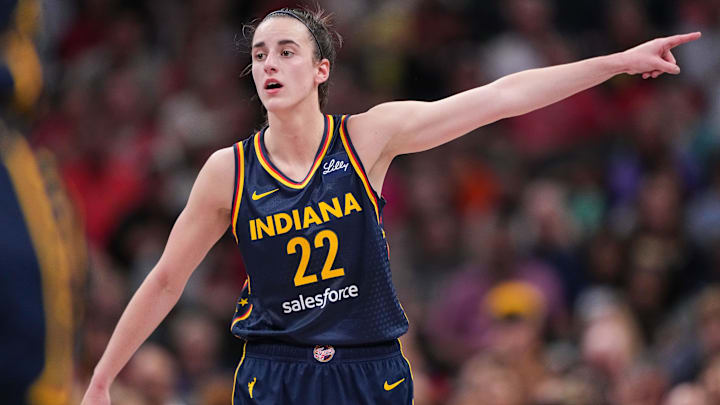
<point>389,387</point>
<point>257,196</point>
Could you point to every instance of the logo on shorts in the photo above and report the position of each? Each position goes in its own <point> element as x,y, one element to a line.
<point>389,387</point>
<point>251,385</point>
<point>324,353</point>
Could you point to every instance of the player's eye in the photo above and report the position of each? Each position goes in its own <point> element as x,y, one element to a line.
<point>259,56</point>
<point>286,52</point>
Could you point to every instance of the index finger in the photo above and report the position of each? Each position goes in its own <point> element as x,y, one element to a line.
<point>676,40</point>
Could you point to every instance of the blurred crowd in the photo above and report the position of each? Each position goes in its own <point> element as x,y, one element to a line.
<point>570,256</point>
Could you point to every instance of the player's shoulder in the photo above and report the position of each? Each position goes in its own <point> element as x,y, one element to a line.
<point>379,123</point>
<point>215,179</point>
<point>221,159</point>
<point>220,166</point>
<point>370,132</point>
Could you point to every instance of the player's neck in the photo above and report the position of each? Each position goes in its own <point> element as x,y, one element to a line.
<point>293,137</point>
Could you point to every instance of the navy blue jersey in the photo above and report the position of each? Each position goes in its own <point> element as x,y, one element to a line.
<point>41,258</point>
<point>315,251</point>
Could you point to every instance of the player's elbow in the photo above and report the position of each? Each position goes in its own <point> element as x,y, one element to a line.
<point>506,100</point>
<point>165,282</point>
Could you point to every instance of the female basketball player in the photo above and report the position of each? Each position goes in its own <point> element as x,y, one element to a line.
<point>318,315</point>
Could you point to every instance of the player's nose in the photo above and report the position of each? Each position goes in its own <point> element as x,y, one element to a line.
<point>270,64</point>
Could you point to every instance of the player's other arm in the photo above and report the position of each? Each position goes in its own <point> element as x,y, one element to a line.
<point>413,126</point>
<point>203,221</point>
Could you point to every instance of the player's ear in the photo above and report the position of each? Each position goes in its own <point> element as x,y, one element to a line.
<point>322,71</point>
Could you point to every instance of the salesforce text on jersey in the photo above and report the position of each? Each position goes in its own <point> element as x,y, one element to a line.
<point>303,303</point>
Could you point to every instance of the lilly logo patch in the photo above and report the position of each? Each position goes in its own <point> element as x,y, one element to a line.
<point>336,165</point>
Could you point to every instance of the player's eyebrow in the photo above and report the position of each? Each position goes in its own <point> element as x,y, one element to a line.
<point>287,41</point>
<point>280,42</point>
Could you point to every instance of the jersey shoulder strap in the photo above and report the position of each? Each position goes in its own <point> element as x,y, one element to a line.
<point>358,166</point>
<point>239,152</point>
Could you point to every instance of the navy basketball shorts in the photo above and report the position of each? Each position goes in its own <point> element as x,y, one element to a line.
<point>278,373</point>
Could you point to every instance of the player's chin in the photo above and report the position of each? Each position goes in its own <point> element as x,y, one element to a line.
<point>277,104</point>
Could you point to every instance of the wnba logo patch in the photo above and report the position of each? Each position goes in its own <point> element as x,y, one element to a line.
<point>336,165</point>
<point>324,353</point>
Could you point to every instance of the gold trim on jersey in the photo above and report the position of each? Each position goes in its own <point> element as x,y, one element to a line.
<point>245,315</point>
<point>242,359</point>
<point>54,253</point>
<point>358,168</point>
<point>240,181</point>
<point>409,366</point>
<point>242,317</point>
<point>279,176</point>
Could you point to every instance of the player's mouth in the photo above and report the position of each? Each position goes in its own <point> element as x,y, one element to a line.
<point>272,86</point>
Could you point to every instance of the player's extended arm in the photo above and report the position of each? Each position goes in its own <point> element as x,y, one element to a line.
<point>412,126</point>
<point>203,221</point>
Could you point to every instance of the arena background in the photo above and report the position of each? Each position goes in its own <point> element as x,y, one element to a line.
<point>568,256</point>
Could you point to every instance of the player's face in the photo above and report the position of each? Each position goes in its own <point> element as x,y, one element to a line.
<point>283,65</point>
